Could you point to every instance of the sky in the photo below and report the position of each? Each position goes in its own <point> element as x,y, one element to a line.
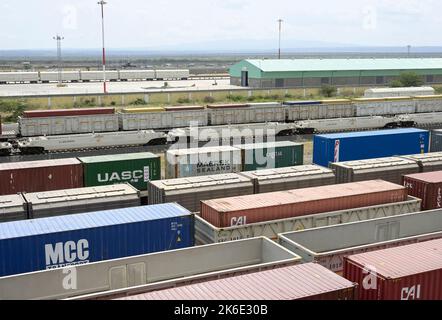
<point>176,24</point>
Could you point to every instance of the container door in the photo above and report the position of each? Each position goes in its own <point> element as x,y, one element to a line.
<point>387,231</point>
<point>244,78</point>
<point>127,276</point>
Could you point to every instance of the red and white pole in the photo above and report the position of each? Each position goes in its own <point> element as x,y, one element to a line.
<point>102,3</point>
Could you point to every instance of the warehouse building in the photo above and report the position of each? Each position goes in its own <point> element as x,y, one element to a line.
<point>310,73</point>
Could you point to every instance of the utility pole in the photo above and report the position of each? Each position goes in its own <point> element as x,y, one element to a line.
<point>102,3</point>
<point>408,50</point>
<point>280,21</point>
<point>58,39</point>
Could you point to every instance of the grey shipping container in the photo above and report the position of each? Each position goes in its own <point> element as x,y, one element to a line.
<point>389,169</point>
<point>329,245</point>
<point>101,280</point>
<point>205,232</point>
<point>70,201</point>
<point>436,140</point>
<point>290,178</point>
<point>12,207</point>
<point>427,161</point>
<point>188,192</point>
<point>202,161</point>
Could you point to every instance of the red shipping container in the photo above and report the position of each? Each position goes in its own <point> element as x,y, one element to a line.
<point>37,176</point>
<point>226,106</point>
<point>248,209</point>
<point>412,272</point>
<point>426,186</point>
<point>67,112</point>
<point>308,281</point>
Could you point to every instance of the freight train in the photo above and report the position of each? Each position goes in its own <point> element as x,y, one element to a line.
<point>88,76</point>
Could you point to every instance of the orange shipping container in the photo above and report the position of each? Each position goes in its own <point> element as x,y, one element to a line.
<point>242,210</point>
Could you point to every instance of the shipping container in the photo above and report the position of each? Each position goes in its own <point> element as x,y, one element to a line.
<point>66,76</point>
<point>398,92</point>
<point>426,186</point>
<point>205,232</point>
<point>67,112</point>
<point>189,192</point>
<point>103,280</point>
<point>329,245</point>
<point>245,113</point>
<point>12,207</point>
<point>82,200</point>
<point>429,103</point>
<point>202,161</point>
<point>268,155</point>
<point>227,212</point>
<point>48,243</point>
<point>436,140</point>
<point>308,281</point>
<point>349,146</point>
<point>160,119</point>
<point>428,161</point>
<point>6,77</point>
<point>410,272</point>
<point>98,75</point>
<point>183,108</point>
<point>172,74</point>
<point>136,75</point>
<point>280,179</point>
<point>327,109</point>
<point>388,169</point>
<point>134,168</point>
<point>384,106</point>
<point>37,176</point>
<point>142,110</point>
<point>30,127</point>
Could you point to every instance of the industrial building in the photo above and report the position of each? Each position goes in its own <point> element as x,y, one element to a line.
<point>311,73</point>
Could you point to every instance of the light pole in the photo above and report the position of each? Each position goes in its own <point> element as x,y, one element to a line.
<point>58,39</point>
<point>280,28</point>
<point>408,50</point>
<point>102,3</point>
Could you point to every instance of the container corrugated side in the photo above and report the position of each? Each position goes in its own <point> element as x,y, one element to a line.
<point>206,232</point>
<point>329,245</point>
<point>36,176</point>
<point>410,272</point>
<point>280,179</point>
<point>189,192</point>
<point>242,210</point>
<point>55,242</point>
<point>302,282</point>
<point>428,162</point>
<point>82,200</point>
<point>341,147</point>
<point>426,186</point>
<point>388,169</point>
<point>436,140</point>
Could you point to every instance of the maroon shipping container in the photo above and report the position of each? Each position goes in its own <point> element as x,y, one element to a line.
<point>226,106</point>
<point>67,112</point>
<point>308,281</point>
<point>412,272</point>
<point>183,108</point>
<point>37,176</point>
<point>426,186</point>
<point>242,210</point>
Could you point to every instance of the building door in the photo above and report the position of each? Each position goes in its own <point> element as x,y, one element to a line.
<point>244,78</point>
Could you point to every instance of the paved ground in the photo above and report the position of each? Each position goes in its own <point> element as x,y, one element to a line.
<point>113,87</point>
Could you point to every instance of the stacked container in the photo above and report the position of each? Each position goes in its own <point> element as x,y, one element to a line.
<point>134,168</point>
<point>12,207</point>
<point>426,186</point>
<point>428,161</point>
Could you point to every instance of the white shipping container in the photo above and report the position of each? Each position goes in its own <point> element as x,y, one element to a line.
<point>255,114</point>
<point>342,124</point>
<point>12,207</point>
<point>429,103</point>
<point>149,272</point>
<point>377,107</point>
<point>329,245</point>
<point>172,74</point>
<point>67,125</point>
<point>205,232</point>
<point>320,111</point>
<point>398,92</point>
<point>65,76</point>
<point>137,74</point>
<point>98,75</point>
<point>18,77</point>
<point>202,161</point>
<point>162,120</point>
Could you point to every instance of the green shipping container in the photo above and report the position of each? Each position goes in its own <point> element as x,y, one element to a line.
<point>269,155</point>
<point>134,168</point>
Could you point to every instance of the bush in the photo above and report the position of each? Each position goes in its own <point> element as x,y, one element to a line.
<point>328,91</point>
<point>288,96</point>
<point>209,99</point>
<point>438,90</point>
<point>235,98</point>
<point>396,84</point>
<point>183,100</point>
<point>407,79</point>
<point>14,108</point>
<point>138,102</point>
<point>251,99</point>
<point>113,103</point>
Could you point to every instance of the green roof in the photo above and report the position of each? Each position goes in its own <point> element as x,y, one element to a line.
<point>118,157</point>
<point>293,65</point>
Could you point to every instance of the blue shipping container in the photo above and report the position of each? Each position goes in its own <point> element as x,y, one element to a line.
<point>368,145</point>
<point>48,243</point>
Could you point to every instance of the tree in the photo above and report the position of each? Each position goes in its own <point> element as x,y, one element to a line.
<point>407,79</point>
<point>329,91</point>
